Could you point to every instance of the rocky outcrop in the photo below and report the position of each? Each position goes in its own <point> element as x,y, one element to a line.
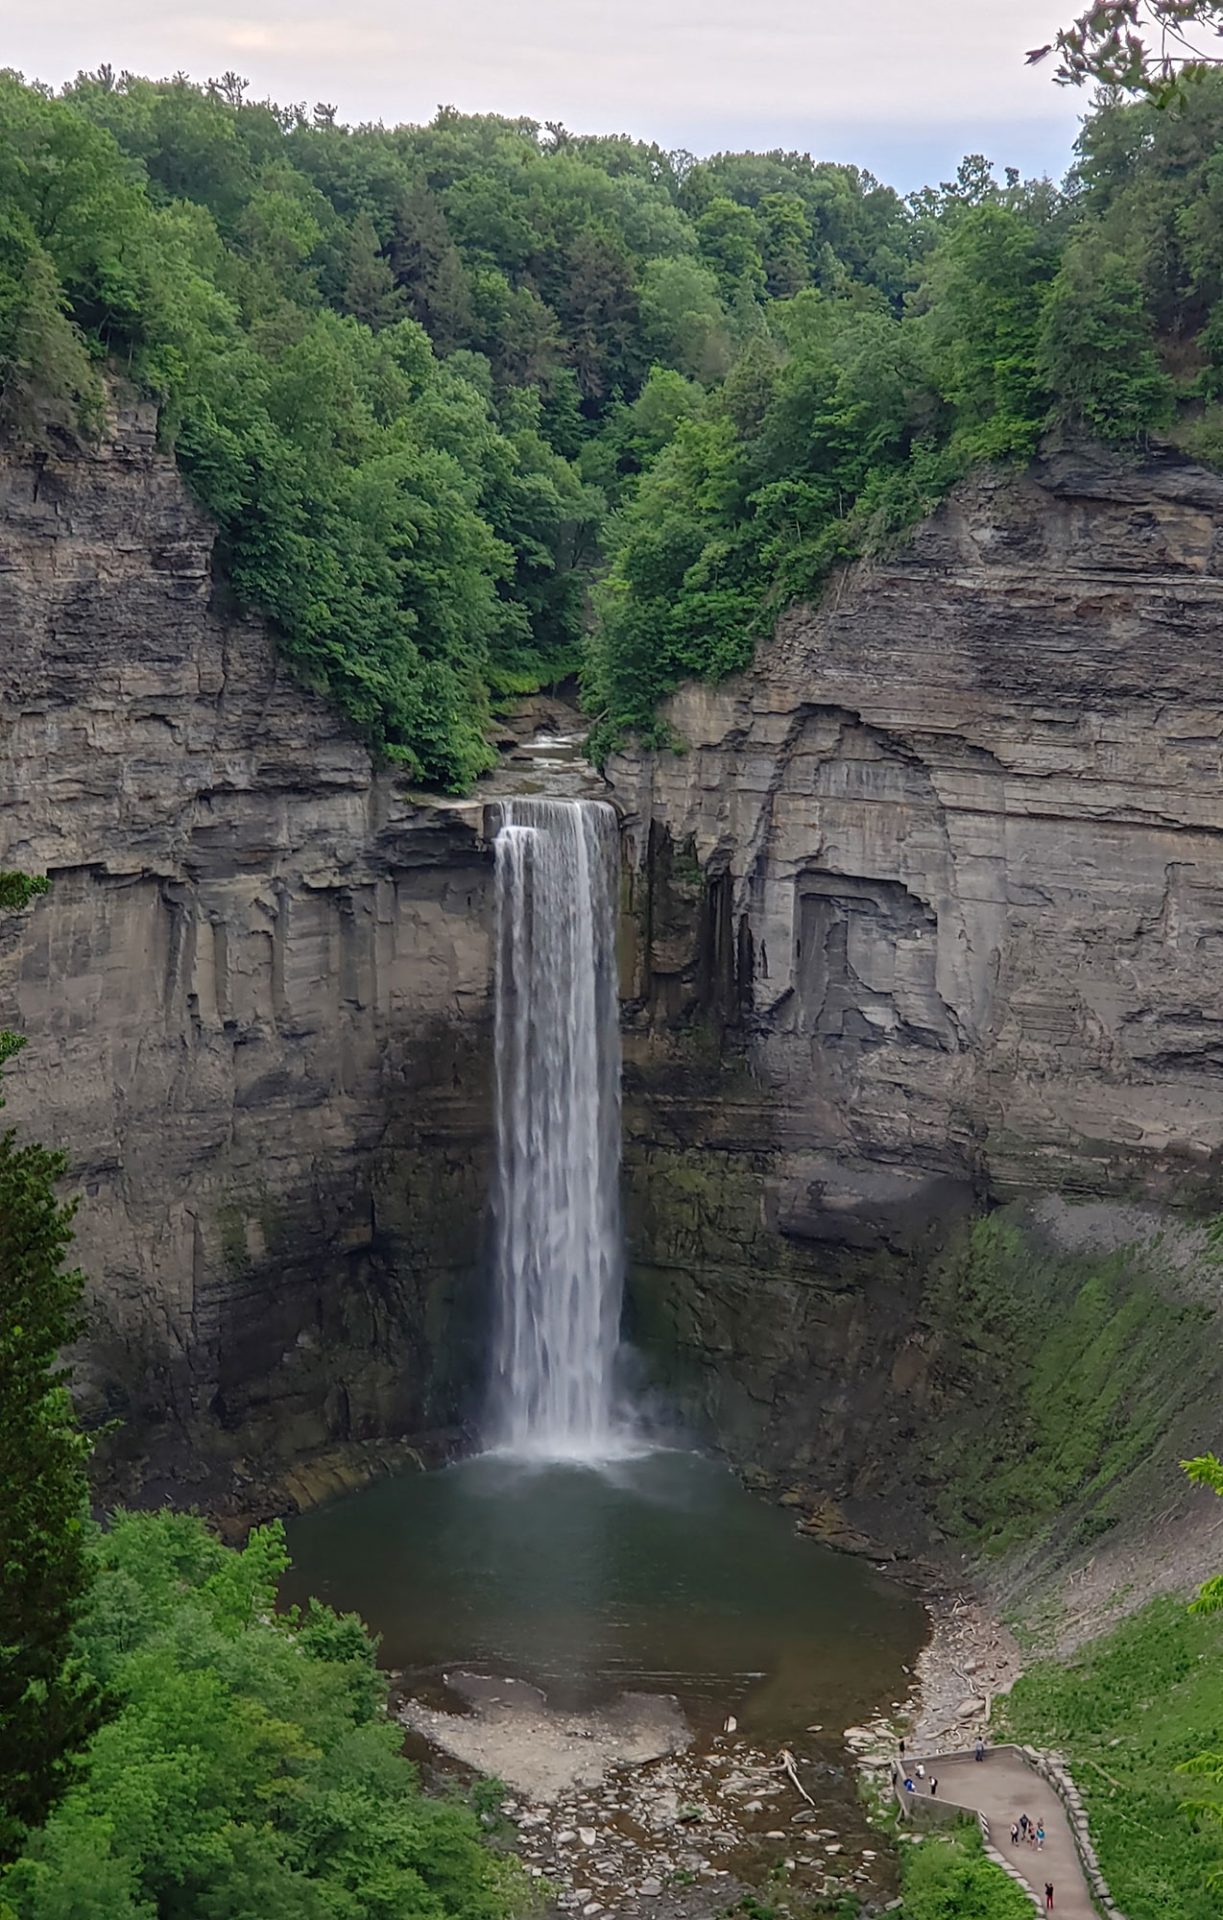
<point>926,912</point>
<point>256,996</point>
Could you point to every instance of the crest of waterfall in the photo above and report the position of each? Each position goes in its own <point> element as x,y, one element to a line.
<point>558,1239</point>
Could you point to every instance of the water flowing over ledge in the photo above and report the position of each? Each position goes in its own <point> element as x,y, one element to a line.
<point>559,1267</point>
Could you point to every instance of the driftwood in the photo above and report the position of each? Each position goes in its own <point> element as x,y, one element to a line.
<point>786,1759</point>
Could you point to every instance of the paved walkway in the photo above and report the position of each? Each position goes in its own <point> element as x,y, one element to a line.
<point>1002,1787</point>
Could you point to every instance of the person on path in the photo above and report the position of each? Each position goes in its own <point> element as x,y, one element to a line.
<point>980,1750</point>
<point>1014,1833</point>
<point>1040,1837</point>
<point>909,1787</point>
<point>1048,1896</point>
<point>1024,1824</point>
<point>933,1785</point>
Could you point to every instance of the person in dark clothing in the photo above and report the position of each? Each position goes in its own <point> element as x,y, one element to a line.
<point>1048,1896</point>
<point>1023,1825</point>
<point>980,1751</point>
<point>902,1749</point>
<point>933,1785</point>
<point>1014,1833</point>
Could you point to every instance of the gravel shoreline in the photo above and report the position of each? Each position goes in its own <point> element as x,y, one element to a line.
<point>969,1659</point>
<point>623,1811</point>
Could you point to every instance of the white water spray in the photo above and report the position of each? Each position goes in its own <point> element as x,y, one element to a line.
<point>558,1241</point>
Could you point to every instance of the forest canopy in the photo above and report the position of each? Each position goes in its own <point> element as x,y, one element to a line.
<point>248,1768</point>
<point>479,404</point>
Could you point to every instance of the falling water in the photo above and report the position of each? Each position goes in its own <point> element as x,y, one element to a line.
<point>558,1249</point>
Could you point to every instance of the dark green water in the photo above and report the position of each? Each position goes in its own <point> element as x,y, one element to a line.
<point>657,1573</point>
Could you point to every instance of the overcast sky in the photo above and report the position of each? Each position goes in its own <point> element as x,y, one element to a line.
<point>901,86</point>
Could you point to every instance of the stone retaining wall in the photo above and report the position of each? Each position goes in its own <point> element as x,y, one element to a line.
<point>1053,1770</point>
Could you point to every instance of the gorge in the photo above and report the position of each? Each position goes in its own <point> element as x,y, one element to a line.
<point>611,960</point>
<point>866,997</point>
<point>906,932</point>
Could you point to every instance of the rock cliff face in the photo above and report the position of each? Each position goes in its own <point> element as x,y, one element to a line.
<point>927,914</point>
<point>256,996</point>
<point>927,911</point>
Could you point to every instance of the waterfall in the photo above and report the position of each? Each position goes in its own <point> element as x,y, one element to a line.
<point>557,1198</point>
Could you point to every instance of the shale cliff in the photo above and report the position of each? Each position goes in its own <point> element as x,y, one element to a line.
<point>256,997</point>
<point>926,913</point>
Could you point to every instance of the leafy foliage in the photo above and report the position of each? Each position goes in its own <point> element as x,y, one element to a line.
<point>399,366</point>
<point>17,890</point>
<point>408,525</point>
<point>251,1771</point>
<point>1067,1376</point>
<point>451,390</point>
<point>893,354</point>
<point>841,420</point>
<point>950,1878</point>
<point>1144,46</point>
<point>1129,1711</point>
<point>48,1706</point>
<point>1207,1471</point>
<point>1098,347</point>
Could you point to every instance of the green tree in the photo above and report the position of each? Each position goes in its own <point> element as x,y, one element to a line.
<point>251,1771</point>
<point>1097,354</point>
<point>729,241</point>
<point>48,1706</point>
<point>1207,1471</point>
<point>516,331</point>
<point>658,412</point>
<point>981,303</point>
<point>401,365</point>
<point>598,309</point>
<point>46,377</point>
<point>683,319</point>
<point>785,244</point>
<point>369,291</point>
<point>951,1879</point>
<point>427,266</point>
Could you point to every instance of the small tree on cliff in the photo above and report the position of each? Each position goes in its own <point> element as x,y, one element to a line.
<point>1097,353</point>
<point>1207,1471</point>
<point>47,1709</point>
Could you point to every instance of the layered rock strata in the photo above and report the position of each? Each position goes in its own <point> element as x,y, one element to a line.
<point>256,996</point>
<point>926,912</point>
